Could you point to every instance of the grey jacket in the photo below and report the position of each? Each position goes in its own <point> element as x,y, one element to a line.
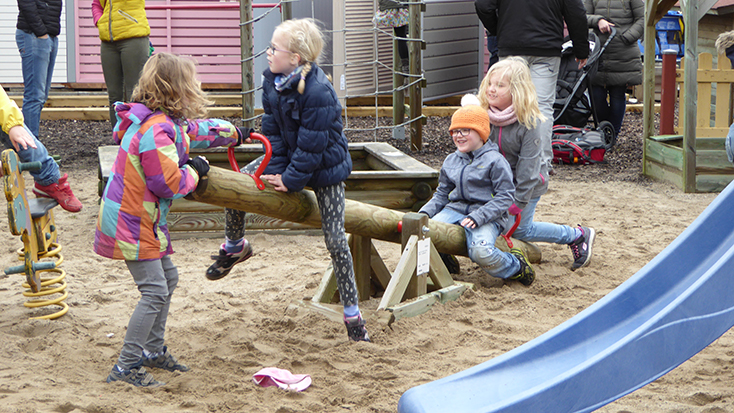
<point>478,184</point>
<point>522,149</point>
<point>620,63</point>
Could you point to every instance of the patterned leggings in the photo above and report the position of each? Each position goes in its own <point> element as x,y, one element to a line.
<point>331,206</point>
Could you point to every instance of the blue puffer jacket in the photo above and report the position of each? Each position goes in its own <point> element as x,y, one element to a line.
<point>306,132</point>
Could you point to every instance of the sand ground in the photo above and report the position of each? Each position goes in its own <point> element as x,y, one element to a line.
<point>229,329</point>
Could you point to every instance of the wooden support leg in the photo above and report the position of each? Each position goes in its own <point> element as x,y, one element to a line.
<point>327,289</point>
<point>361,255</point>
<point>401,277</point>
<point>380,273</point>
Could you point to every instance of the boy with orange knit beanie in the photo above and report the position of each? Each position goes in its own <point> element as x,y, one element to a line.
<point>475,190</point>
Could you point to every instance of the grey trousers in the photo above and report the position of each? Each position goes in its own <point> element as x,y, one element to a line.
<point>331,203</point>
<point>156,282</point>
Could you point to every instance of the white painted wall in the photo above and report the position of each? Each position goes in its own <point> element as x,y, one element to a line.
<point>10,68</point>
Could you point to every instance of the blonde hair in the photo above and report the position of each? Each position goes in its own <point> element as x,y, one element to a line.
<point>524,97</point>
<point>306,40</point>
<point>170,82</point>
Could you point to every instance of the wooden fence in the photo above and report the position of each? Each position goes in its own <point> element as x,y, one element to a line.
<point>664,154</point>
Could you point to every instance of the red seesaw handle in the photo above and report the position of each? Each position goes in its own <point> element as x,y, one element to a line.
<point>263,164</point>
<point>511,231</point>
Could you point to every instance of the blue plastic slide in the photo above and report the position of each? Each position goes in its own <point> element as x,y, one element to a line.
<point>674,307</point>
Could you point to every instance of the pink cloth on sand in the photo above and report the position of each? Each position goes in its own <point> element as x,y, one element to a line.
<point>272,376</point>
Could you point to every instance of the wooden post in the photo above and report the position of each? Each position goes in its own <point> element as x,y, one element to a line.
<point>398,96</point>
<point>648,91</point>
<point>286,11</point>
<point>667,93</point>
<point>248,83</point>
<point>691,91</point>
<point>414,224</point>
<point>361,255</point>
<point>415,92</point>
<point>231,189</point>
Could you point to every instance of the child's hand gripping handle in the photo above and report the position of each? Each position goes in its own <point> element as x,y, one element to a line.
<point>263,164</point>
<point>511,231</point>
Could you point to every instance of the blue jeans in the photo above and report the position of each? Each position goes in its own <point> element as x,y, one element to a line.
<point>480,245</point>
<point>38,57</point>
<point>542,231</point>
<point>613,111</point>
<point>49,172</point>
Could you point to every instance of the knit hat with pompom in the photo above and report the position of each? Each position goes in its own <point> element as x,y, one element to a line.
<point>471,117</point>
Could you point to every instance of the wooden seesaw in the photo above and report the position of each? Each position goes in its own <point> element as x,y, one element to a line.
<point>363,222</point>
<point>33,220</point>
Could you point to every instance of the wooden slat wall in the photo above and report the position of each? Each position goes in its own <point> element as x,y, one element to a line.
<point>360,48</point>
<point>10,69</point>
<point>454,57</point>
<point>211,36</point>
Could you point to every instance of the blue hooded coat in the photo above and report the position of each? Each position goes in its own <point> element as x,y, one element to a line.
<point>306,132</point>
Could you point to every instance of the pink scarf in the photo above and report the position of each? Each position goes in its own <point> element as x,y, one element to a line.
<point>502,118</point>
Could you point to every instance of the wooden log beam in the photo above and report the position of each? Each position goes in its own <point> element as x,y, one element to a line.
<point>238,191</point>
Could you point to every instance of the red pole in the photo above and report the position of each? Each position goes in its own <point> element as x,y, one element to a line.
<point>667,93</point>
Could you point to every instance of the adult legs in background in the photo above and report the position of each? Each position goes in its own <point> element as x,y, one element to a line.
<point>617,106</point>
<point>493,50</point>
<point>38,57</point>
<point>402,31</point>
<point>612,110</point>
<point>122,62</point>
<point>544,72</point>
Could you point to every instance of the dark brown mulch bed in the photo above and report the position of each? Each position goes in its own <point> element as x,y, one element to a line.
<point>77,142</point>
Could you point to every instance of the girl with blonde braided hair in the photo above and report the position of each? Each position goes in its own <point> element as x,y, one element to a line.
<point>303,120</point>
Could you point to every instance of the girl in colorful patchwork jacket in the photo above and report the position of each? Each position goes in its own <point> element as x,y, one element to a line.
<point>152,168</point>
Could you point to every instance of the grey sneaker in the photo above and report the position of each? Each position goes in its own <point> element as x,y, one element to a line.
<point>526,275</point>
<point>164,360</point>
<point>225,261</point>
<point>356,329</point>
<point>581,248</point>
<point>137,376</point>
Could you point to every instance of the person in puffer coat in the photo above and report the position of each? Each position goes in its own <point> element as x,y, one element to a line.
<point>620,66</point>
<point>153,167</point>
<point>303,120</point>
<point>475,190</point>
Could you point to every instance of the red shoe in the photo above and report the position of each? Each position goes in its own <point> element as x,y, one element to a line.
<point>61,192</point>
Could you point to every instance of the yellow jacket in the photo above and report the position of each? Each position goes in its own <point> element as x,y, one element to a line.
<point>10,115</point>
<point>122,19</point>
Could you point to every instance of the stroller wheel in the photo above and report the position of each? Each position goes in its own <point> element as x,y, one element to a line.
<point>607,131</point>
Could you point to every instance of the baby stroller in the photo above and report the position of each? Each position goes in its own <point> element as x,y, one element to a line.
<point>573,107</point>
